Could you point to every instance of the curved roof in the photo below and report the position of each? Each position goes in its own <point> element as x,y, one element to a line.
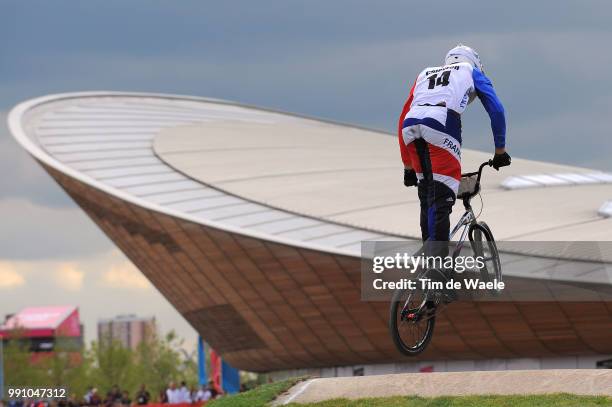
<point>353,177</point>
<point>275,176</point>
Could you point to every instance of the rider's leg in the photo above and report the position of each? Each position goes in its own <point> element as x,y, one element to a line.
<point>437,154</point>
<point>436,200</point>
<point>440,200</point>
<point>416,150</point>
<point>423,188</point>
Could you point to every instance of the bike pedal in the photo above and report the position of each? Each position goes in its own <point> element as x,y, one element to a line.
<point>450,296</point>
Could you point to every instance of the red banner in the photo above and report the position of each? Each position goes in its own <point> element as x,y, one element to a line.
<point>215,369</point>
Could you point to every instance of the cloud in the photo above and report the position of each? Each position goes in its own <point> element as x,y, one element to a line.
<point>69,277</point>
<point>96,298</point>
<point>583,145</point>
<point>355,67</point>
<point>125,275</point>
<point>31,231</point>
<point>27,179</point>
<point>10,277</point>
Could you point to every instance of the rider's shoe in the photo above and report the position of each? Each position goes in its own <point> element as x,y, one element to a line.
<point>431,305</point>
<point>446,295</point>
<point>449,295</point>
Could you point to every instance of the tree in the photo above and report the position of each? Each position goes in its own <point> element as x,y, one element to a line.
<point>159,361</point>
<point>66,365</point>
<point>156,362</point>
<point>111,364</point>
<point>19,368</point>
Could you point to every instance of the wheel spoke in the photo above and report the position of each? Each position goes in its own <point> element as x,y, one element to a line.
<point>412,332</point>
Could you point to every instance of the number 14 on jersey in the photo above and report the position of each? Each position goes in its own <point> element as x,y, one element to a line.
<point>435,80</point>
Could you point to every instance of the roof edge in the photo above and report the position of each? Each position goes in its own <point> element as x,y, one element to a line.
<point>17,113</point>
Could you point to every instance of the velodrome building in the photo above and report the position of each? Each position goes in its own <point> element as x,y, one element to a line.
<point>250,222</point>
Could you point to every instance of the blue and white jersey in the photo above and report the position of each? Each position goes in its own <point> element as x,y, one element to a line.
<point>455,86</point>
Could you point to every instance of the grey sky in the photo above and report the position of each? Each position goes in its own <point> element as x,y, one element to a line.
<point>346,60</point>
<point>351,61</point>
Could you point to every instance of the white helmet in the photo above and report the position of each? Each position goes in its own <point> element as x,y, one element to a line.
<point>463,53</point>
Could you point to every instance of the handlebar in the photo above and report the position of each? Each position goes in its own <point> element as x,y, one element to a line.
<point>468,195</point>
<point>488,163</point>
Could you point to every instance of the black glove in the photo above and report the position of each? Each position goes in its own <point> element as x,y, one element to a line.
<point>410,178</point>
<point>501,160</point>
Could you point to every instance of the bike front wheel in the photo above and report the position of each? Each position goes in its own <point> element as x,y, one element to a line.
<point>484,246</point>
<point>411,321</point>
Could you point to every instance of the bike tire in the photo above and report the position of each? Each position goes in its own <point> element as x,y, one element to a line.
<point>492,269</point>
<point>396,306</point>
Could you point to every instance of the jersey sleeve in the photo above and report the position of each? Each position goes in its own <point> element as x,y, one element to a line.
<point>403,149</point>
<point>493,106</point>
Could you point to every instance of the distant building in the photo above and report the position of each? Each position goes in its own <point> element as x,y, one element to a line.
<point>130,330</point>
<point>45,329</point>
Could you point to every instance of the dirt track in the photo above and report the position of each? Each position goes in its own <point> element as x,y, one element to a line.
<point>575,381</point>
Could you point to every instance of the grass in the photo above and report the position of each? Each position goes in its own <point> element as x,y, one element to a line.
<point>258,397</point>
<point>261,396</point>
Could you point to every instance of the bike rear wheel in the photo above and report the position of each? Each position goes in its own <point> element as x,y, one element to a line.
<point>411,321</point>
<point>484,246</point>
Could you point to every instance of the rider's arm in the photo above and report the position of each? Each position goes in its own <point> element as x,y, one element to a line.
<point>493,106</point>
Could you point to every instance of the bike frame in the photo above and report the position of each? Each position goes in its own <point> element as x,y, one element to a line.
<point>465,222</point>
<point>432,300</point>
<point>468,219</point>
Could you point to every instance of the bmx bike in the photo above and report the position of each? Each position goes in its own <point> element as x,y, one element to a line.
<point>413,312</point>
